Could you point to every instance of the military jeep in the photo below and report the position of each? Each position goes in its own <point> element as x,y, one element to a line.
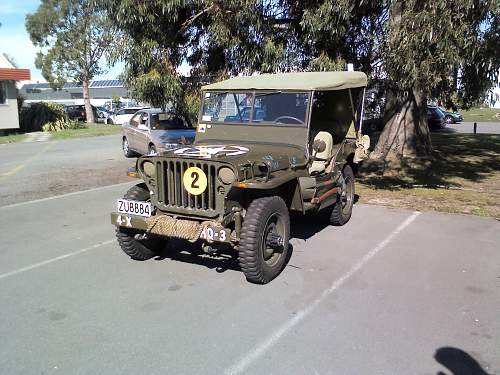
<point>265,145</point>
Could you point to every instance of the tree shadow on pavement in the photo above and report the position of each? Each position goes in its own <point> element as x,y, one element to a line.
<point>301,227</point>
<point>468,157</point>
<point>188,252</point>
<point>458,362</point>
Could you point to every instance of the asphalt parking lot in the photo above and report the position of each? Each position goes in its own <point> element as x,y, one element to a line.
<point>482,127</point>
<point>36,170</point>
<point>392,292</point>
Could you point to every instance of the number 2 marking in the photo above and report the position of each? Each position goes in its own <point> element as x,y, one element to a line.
<point>195,176</point>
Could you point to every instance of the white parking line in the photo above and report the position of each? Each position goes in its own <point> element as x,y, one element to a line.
<point>272,339</point>
<point>36,265</point>
<point>65,195</point>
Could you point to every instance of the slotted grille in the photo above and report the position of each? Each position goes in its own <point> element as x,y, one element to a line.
<point>172,193</point>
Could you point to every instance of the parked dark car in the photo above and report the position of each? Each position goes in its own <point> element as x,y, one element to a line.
<point>104,115</point>
<point>77,112</point>
<point>451,117</point>
<point>435,118</point>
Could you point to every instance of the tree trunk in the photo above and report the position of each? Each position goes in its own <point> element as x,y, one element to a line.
<point>86,99</point>
<point>405,133</point>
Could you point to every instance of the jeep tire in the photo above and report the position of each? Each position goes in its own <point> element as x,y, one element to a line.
<point>342,209</point>
<point>264,244</point>
<point>128,239</point>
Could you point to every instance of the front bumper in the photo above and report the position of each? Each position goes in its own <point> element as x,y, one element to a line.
<point>129,221</point>
<point>191,230</point>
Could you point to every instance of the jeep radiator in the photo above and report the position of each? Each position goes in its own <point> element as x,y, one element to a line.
<point>171,193</point>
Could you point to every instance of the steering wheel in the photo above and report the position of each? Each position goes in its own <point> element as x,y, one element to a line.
<point>289,118</point>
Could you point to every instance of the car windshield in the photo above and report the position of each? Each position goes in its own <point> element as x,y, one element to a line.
<point>437,112</point>
<point>166,121</point>
<point>275,108</point>
<point>129,111</point>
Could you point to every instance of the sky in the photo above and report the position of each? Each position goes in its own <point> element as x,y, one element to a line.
<point>15,42</point>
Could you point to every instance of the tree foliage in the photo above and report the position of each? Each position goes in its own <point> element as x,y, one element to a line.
<point>73,38</point>
<point>442,49</point>
<point>445,49</point>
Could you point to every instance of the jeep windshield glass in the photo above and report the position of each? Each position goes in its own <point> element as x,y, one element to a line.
<point>267,108</point>
<point>226,107</point>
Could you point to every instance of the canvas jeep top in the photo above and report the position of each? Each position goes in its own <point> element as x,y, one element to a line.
<point>264,145</point>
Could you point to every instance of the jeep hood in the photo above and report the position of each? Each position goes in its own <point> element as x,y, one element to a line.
<point>277,156</point>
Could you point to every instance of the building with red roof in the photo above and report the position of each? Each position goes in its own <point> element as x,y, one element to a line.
<point>9,74</point>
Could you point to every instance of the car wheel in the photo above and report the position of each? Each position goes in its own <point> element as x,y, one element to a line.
<point>449,120</point>
<point>135,243</point>
<point>152,150</point>
<point>126,149</point>
<point>264,244</point>
<point>342,209</point>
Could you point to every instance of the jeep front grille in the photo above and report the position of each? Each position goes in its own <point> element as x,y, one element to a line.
<point>171,192</point>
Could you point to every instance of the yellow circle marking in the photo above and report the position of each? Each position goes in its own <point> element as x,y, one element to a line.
<point>195,180</point>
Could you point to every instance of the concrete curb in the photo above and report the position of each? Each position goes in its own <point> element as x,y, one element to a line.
<point>37,137</point>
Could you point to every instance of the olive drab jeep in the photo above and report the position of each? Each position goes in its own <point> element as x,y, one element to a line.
<point>265,145</point>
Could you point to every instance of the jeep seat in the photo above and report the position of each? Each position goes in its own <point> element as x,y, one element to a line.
<point>322,159</point>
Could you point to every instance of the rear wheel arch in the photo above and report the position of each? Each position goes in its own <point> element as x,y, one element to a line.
<point>350,162</point>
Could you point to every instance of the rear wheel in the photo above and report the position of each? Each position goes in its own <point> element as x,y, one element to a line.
<point>449,120</point>
<point>342,209</point>
<point>264,244</point>
<point>135,243</point>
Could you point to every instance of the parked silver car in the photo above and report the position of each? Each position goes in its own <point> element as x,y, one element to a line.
<point>152,131</point>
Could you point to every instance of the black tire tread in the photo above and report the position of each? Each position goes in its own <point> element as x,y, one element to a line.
<point>337,217</point>
<point>249,260</point>
<point>133,248</point>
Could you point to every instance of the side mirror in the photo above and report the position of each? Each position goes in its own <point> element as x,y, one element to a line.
<point>319,145</point>
<point>142,127</point>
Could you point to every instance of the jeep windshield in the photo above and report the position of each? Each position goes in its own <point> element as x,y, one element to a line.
<point>284,108</point>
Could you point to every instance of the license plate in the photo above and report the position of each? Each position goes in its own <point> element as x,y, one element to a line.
<point>211,234</point>
<point>134,207</point>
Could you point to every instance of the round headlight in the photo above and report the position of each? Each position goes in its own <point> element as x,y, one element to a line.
<point>226,175</point>
<point>148,168</point>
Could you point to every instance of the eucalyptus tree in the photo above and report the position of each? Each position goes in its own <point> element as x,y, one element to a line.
<point>73,37</point>
<point>216,38</point>
<point>441,49</point>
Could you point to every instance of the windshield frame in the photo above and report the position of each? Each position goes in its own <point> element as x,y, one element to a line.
<point>255,93</point>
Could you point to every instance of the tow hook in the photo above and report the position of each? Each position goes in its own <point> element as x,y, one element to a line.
<point>207,249</point>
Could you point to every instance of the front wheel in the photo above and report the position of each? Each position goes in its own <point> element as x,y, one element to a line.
<point>264,243</point>
<point>126,148</point>
<point>449,120</point>
<point>137,244</point>
<point>342,209</point>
